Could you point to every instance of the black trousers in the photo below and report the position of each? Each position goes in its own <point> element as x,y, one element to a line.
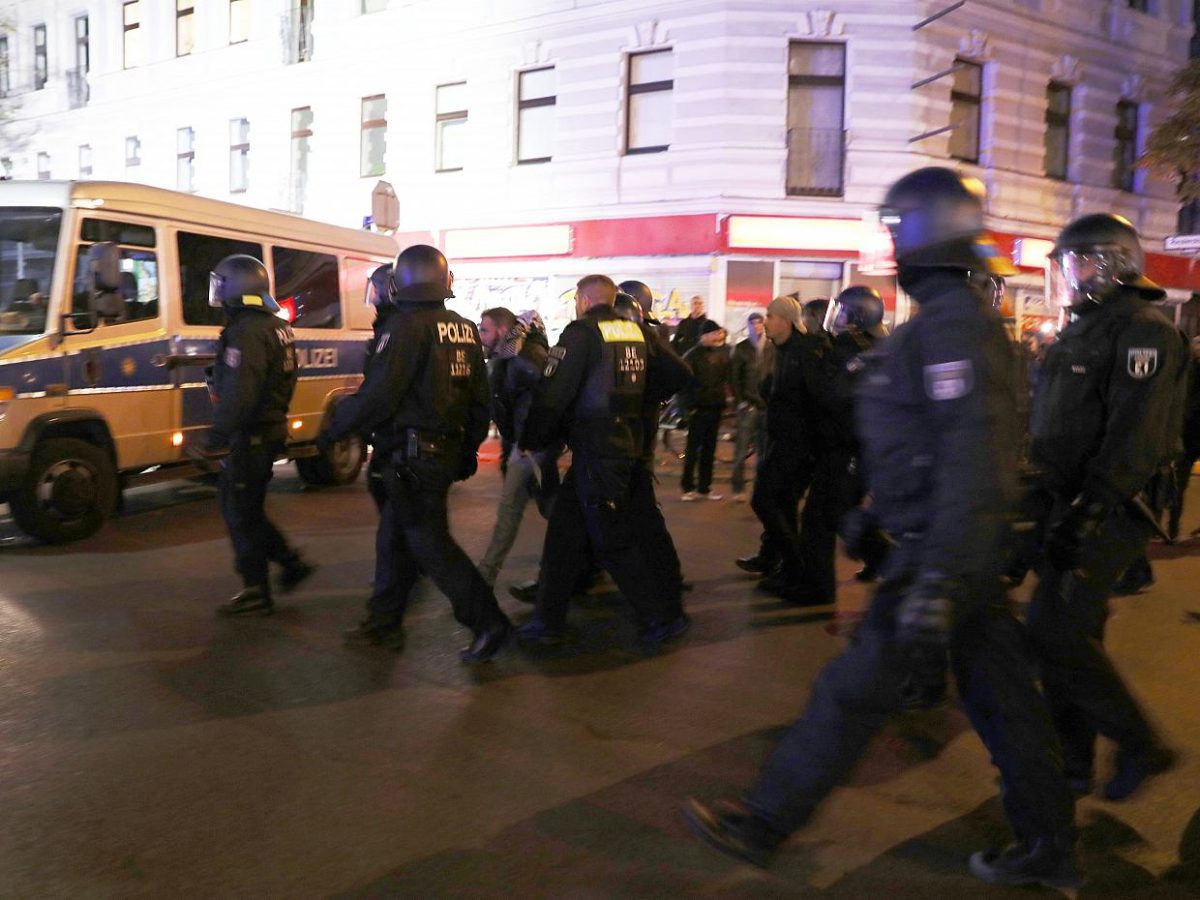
<point>389,592</point>
<point>857,692</point>
<point>829,497</point>
<point>420,542</point>
<point>653,536</point>
<point>1066,621</point>
<point>785,472</point>
<point>703,427</point>
<point>242,493</point>
<point>595,509</point>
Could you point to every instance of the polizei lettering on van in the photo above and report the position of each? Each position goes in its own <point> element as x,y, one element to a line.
<point>455,333</point>
<point>317,357</point>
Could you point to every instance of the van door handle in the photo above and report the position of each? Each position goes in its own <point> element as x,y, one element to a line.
<point>183,360</point>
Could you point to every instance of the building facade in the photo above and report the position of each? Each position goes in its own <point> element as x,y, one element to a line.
<point>733,149</point>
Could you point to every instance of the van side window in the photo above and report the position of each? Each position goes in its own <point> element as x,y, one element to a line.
<point>355,273</point>
<point>135,298</point>
<point>198,256</point>
<point>306,287</point>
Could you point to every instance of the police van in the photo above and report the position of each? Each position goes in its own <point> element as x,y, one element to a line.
<point>105,332</point>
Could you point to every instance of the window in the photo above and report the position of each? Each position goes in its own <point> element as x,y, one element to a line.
<point>133,152</point>
<point>1125,153</point>
<point>4,82</point>
<point>85,160</point>
<point>966,100</point>
<point>451,126</point>
<point>535,115</point>
<point>1139,5</point>
<point>651,81</point>
<point>131,16</point>
<point>815,135</point>
<point>41,68</point>
<point>239,21</point>
<point>302,121</point>
<point>185,27</point>
<point>370,6</point>
<point>306,287</point>
<point>43,166</point>
<point>372,142</point>
<point>185,160</point>
<point>6,168</point>
<point>198,256</point>
<point>136,295</point>
<point>239,155</point>
<point>1058,129</point>
<point>83,47</point>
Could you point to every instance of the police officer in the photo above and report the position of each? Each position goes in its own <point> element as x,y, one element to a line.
<point>427,384</point>
<point>935,419</point>
<point>1107,418</point>
<point>254,376</point>
<point>593,393</point>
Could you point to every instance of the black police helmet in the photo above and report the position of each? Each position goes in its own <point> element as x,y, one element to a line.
<point>627,307</point>
<point>421,273</point>
<point>935,217</point>
<point>1115,235</point>
<point>640,292</point>
<point>379,286</point>
<point>858,306</point>
<point>241,281</point>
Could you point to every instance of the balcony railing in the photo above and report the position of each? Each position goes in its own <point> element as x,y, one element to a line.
<point>296,27</point>
<point>815,161</point>
<point>77,88</point>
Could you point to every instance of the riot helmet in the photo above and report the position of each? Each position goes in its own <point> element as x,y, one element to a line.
<point>640,292</point>
<point>857,308</point>
<point>240,281</point>
<point>421,273</point>
<point>935,217</point>
<point>1093,258</point>
<point>627,307</point>
<point>379,287</point>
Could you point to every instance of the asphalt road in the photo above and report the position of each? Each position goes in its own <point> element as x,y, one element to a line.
<point>149,748</point>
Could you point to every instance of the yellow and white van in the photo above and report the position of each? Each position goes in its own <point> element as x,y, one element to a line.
<point>102,390</point>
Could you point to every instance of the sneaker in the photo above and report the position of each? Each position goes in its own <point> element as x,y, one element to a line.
<point>526,591</point>
<point>714,496</point>
<point>373,633</point>
<point>661,632</point>
<point>733,829</point>
<point>294,572</point>
<point>1133,770</point>
<point>688,496</point>
<point>247,602</point>
<point>1048,862</point>
<point>738,497</point>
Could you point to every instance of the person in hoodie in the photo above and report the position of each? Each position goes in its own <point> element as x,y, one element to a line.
<point>517,349</point>
<point>705,399</point>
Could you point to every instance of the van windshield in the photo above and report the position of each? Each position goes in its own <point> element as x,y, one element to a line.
<point>28,243</point>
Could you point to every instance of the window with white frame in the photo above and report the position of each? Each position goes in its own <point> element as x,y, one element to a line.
<point>1125,151</point>
<point>239,21</point>
<point>185,160</point>
<point>133,152</point>
<point>1058,129</point>
<point>185,27</point>
<point>451,126</point>
<point>41,63</point>
<point>6,168</point>
<point>302,132</point>
<point>815,111</point>
<point>535,115</point>
<point>43,166</point>
<point>4,77</point>
<point>85,160</point>
<point>239,155</point>
<point>649,101</point>
<point>372,141</point>
<point>966,110</point>
<point>131,18</point>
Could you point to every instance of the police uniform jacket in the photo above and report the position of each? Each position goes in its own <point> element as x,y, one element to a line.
<point>1109,409</point>
<point>254,377</point>
<point>937,429</point>
<point>844,366</point>
<point>513,380</point>
<point>790,400</point>
<point>593,388</point>
<point>427,374</point>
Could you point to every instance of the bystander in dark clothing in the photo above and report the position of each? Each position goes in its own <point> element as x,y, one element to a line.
<point>704,399</point>
<point>748,365</point>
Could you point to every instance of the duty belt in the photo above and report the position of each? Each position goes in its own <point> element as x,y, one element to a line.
<point>415,444</point>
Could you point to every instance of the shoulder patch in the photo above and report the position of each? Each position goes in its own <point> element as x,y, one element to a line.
<point>949,381</point>
<point>1142,362</point>
<point>620,331</point>
<point>233,357</point>
<point>556,355</point>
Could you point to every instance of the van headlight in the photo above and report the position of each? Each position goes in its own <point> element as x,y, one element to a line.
<point>6,395</point>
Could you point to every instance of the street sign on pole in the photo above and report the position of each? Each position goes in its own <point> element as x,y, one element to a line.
<point>1182,243</point>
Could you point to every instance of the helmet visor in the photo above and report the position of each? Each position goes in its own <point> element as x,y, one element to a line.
<point>837,319</point>
<point>1082,276</point>
<point>216,288</point>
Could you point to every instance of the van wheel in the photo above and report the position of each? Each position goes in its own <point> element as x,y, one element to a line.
<point>70,489</point>
<point>340,465</point>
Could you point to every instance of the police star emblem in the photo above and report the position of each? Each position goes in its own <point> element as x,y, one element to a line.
<point>1142,362</point>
